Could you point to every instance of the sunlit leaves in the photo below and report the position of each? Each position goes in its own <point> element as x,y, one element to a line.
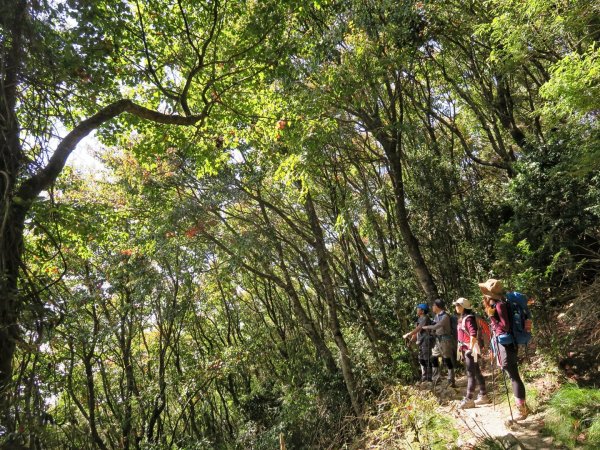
<point>574,86</point>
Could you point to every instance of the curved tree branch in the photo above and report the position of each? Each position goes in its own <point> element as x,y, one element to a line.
<point>31,188</point>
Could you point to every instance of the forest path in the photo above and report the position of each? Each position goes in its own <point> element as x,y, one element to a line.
<point>492,422</point>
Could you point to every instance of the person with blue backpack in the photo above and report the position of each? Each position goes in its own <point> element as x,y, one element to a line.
<point>509,318</point>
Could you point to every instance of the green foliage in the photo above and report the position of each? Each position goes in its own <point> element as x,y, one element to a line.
<point>406,417</point>
<point>574,417</point>
<point>553,220</point>
<point>574,86</point>
<point>517,263</point>
<point>183,298</point>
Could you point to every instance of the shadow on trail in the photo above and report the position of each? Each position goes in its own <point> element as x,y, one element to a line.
<point>490,426</point>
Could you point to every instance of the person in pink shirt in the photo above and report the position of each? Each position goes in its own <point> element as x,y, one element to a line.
<point>469,350</point>
<point>496,308</point>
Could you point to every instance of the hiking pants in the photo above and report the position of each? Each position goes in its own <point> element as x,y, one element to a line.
<point>444,348</point>
<point>474,375</point>
<point>449,363</point>
<point>435,362</point>
<point>425,356</point>
<point>507,359</point>
<point>425,347</point>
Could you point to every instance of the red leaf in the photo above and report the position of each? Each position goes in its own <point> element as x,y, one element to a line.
<point>191,232</point>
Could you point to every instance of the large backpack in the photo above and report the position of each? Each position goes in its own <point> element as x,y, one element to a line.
<point>520,317</point>
<point>454,327</point>
<point>484,334</point>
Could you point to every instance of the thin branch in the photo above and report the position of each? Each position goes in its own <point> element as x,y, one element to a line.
<point>201,55</point>
<point>170,94</point>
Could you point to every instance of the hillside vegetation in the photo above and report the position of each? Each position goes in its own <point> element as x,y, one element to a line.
<point>279,183</point>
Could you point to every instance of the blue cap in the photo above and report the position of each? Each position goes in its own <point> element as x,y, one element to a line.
<point>423,306</point>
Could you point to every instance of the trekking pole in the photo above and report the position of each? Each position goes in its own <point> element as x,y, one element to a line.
<point>493,380</point>
<point>428,372</point>
<point>507,396</point>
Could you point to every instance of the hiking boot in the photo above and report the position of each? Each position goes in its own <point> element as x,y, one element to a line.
<point>423,373</point>
<point>482,399</point>
<point>448,384</point>
<point>422,384</point>
<point>523,411</point>
<point>466,403</point>
<point>451,378</point>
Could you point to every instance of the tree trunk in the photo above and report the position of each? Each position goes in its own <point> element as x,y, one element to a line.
<point>11,248</point>
<point>308,325</point>
<point>391,142</point>
<point>329,293</point>
<point>88,356</point>
<point>11,216</point>
<point>410,240</point>
<point>15,203</point>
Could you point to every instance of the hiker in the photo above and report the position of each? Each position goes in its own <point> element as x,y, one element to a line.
<point>497,309</point>
<point>469,350</point>
<point>423,339</point>
<point>444,344</point>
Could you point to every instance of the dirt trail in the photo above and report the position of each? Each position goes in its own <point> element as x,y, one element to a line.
<point>491,421</point>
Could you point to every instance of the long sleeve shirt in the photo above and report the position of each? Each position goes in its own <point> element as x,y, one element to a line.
<point>442,325</point>
<point>421,333</point>
<point>500,319</point>
<point>467,327</point>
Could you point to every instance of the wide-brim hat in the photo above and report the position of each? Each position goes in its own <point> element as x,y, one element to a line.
<point>464,302</point>
<point>492,288</point>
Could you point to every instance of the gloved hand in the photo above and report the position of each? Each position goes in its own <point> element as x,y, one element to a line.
<point>476,351</point>
<point>459,355</point>
<point>406,336</point>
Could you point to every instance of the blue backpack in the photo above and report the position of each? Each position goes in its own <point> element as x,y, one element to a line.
<point>520,317</point>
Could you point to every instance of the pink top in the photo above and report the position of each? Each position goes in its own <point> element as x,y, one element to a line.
<point>500,320</point>
<point>470,329</point>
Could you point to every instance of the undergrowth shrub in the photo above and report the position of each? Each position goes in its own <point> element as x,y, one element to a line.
<point>574,417</point>
<point>407,418</point>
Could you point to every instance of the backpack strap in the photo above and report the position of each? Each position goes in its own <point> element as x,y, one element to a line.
<point>464,321</point>
<point>463,327</point>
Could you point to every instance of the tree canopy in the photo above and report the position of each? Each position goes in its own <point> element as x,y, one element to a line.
<point>283,181</point>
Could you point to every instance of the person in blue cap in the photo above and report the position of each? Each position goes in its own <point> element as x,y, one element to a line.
<point>423,339</point>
